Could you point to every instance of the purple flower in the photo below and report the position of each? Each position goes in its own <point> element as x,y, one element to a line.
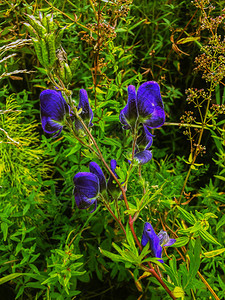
<point>164,239</point>
<point>95,169</point>
<point>146,107</point>
<point>143,157</point>
<point>88,185</point>
<point>150,236</point>
<point>156,241</point>
<point>53,111</point>
<point>128,115</point>
<point>86,112</point>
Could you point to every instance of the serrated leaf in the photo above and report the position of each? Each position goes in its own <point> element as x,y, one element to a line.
<point>178,292</point>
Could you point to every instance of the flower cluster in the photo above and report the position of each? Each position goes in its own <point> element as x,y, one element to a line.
<point>89,185</point>
<point>54,111</point>
<point>144,110</point>
<point>156,241</point>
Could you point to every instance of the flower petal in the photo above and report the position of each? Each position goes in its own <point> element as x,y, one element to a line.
<point>128,114</point>
<point>164,239</point>
<point>150,105</point>
<point>53,110</point>
<point>95,169</point>
<point>170,243</point>
<point>113,165</point>
<point>49,126</point>
<point>87,113</point>
<point>86,189</point>
<point>143,157</point>
<point>144,140</point>
<point>53,105</point>
<point>150,236</point>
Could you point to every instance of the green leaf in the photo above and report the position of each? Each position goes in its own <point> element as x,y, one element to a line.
<point>208,237</point>
<point>194,263</point>
<point>181,241</point>
<point>186,215</point>
<point>9,277</point>
<point>171,271</point>
<point>220,223</point>
<point>178,292</point>
<point>196,227</point>
<point>4,228</point>
<point>112,256</point>
<point>214,253</point>
<point>220,177</point>
<point>26,208</point>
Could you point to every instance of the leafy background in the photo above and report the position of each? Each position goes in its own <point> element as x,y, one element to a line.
<point>49,249</point>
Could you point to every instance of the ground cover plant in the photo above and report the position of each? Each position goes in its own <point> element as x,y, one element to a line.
<point>112,164</point>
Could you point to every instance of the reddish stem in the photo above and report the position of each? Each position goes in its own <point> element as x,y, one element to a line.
<point>131,221</point>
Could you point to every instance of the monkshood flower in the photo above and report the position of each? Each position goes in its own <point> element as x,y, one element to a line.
<point>156,241</point>
<point>112,187</point>
<point>88,186</point>
<point>53,111</point>
<point>86,111</point>
<point>145,107</point>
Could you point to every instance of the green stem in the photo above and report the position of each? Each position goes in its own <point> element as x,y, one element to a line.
<point>185,125</point>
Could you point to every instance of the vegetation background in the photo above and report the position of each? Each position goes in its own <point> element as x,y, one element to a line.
<point>48,248</point>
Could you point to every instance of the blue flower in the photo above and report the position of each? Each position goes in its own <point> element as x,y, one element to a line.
<point>146,107</point>
<point>86,111</point>
<point>88,186</point>
<point>95,169</point>
<point>150,236</point>
<point>164,239</point>
<point>53,111</point>
<point>156,241</point>
<point>143,157</point>
<point>128,115</point>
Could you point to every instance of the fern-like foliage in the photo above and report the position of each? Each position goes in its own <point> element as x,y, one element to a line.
<point>23,164</point>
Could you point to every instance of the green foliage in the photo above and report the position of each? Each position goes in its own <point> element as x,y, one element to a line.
<point>49,249</point>
<point>22,161</point>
